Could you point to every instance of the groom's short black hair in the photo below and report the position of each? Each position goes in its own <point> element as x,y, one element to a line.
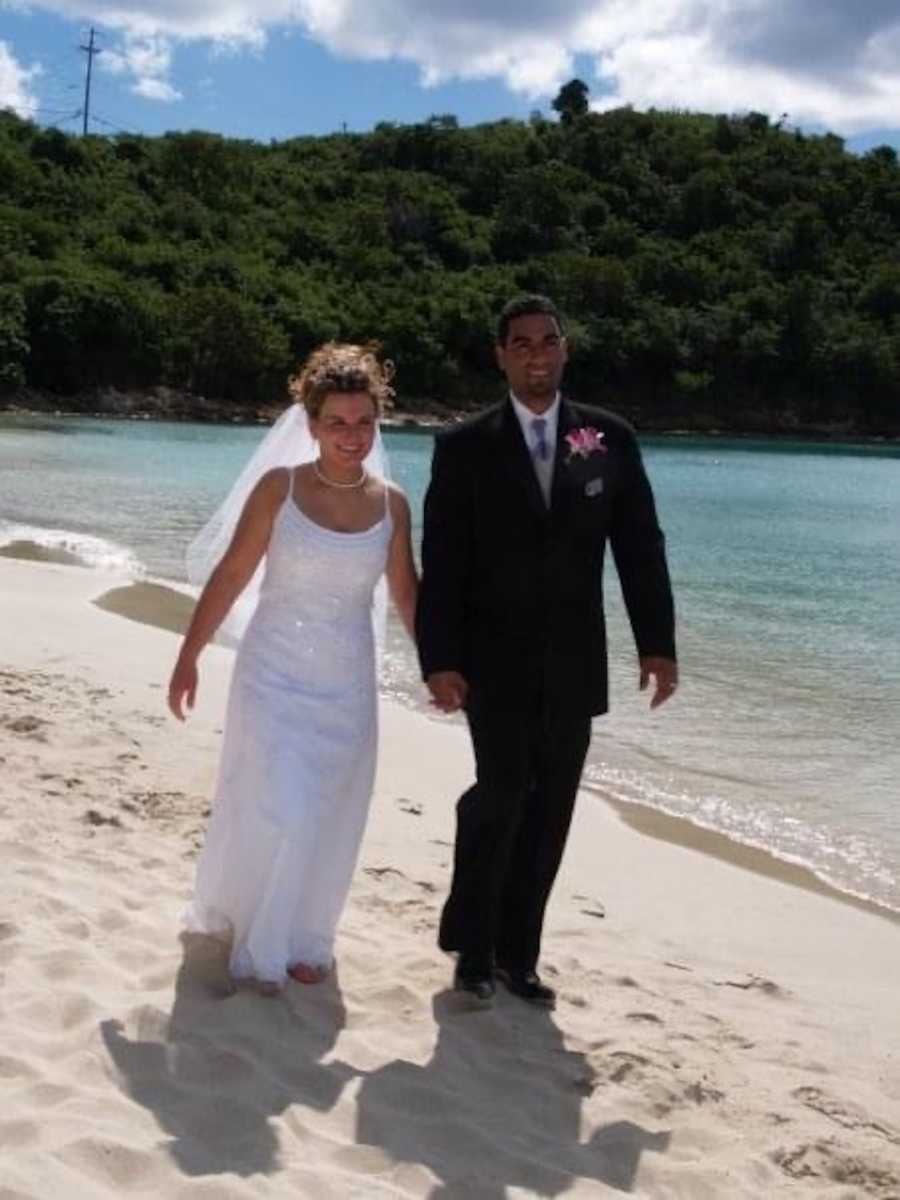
<point>524,306</point>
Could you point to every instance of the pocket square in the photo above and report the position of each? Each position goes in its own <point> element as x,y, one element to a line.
<point>593,487</point>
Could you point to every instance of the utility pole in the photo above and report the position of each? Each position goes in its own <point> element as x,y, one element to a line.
<point>90,50</point>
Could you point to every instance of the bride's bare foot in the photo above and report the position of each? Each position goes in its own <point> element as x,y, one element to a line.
<point>304,973</point>
<point>269,988</point>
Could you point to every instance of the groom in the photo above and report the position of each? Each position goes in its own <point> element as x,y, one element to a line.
<point>522,501</point>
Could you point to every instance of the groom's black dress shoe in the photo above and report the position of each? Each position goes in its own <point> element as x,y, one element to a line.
<point>528,986</point>
<point>476,983</point>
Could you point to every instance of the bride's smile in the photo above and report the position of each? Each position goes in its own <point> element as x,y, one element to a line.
<point>345,430</point>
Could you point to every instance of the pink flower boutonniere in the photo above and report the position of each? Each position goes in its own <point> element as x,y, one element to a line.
<point>584,442</point>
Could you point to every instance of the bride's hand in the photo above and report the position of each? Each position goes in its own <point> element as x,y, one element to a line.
<point>183,686</point>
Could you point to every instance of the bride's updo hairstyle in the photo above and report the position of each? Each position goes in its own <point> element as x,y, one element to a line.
<point>342,367</point>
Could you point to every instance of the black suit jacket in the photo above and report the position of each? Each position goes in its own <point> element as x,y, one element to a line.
<point>512,593</point>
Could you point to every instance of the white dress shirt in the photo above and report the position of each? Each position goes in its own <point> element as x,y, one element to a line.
<point>543,468</point>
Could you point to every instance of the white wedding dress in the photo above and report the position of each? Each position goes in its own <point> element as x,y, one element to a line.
<point>298,759</point>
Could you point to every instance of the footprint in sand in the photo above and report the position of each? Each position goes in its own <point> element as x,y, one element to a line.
<point>825,1159</point>
<point>380,872</point>
<point>626,1064</point>
<point>738,1040</point>
<point>575,999</point>
<point>27,726</point>
<point>92,817</point>
<point>848,1115</point>
<point>595,908</point>
<point>703,1093</point>
<point>751,983</point>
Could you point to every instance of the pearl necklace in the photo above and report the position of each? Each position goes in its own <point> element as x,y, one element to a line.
<point>356,483</point>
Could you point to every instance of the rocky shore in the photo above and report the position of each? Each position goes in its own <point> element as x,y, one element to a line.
<point>171,404</point>
<point>163,403</point>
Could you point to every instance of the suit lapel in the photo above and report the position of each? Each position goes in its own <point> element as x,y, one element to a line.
<point>564,487</point>
<point>515,457</point>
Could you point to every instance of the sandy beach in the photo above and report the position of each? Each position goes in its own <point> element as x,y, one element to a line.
<point>723,1031</point>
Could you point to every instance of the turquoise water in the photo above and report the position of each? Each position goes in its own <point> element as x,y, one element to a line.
<point>786,564</point>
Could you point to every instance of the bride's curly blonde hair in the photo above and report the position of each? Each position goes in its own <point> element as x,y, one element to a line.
<point>343,367</point>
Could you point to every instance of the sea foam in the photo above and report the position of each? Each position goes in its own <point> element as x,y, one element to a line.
<point>84,549</point>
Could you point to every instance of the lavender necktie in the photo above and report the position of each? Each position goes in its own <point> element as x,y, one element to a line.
<point>538,429</point>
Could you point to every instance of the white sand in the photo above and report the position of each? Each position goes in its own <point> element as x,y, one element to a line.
<point>719,1034</point>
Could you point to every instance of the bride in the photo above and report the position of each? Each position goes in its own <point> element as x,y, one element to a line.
<point>303,553</point>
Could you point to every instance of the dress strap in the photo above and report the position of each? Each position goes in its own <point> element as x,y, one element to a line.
<point>289,494</point>
<point>388,515</point>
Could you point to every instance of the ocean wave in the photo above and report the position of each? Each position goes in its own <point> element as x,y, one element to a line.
<point>66,546</point>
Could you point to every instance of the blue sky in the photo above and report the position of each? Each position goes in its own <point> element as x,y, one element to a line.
<point>272,69</point>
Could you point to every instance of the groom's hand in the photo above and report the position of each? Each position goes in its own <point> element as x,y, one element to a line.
<point>665,673</point>
<point>448,690</point>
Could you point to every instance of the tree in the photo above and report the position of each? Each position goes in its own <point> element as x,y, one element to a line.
<point>226,346</point>
<point>13,343</point>
<point>571,101</point>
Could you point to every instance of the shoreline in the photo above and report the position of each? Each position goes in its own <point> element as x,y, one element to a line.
<point>163,606</point>
<point>679,831</point>
<point>408,422</point>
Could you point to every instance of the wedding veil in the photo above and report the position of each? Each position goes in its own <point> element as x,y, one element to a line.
<point>288,443</point>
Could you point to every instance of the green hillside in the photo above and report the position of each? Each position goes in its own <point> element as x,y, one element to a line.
<point>715,271</point>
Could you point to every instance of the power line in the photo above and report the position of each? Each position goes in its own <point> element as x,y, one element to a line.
<point>58,112</point>
<point>73,116</point>
<point>115,125</point>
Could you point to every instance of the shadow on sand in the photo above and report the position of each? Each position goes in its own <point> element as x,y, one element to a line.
<point>498,1106</point>
<point>218,1069</point>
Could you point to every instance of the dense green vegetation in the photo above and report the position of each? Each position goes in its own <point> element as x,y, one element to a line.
<point>715,271</point>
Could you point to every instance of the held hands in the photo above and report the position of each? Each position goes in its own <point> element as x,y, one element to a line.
<point>665,672</point>
<point>448,690</point>
<point>183,686</point>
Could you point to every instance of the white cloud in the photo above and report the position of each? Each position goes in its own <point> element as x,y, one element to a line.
<point>818,62</point>
<point>147,58</point>
<point>828,61</point>
<point>156,89</point>
<point>16,83</point>
<point>529,47</point>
